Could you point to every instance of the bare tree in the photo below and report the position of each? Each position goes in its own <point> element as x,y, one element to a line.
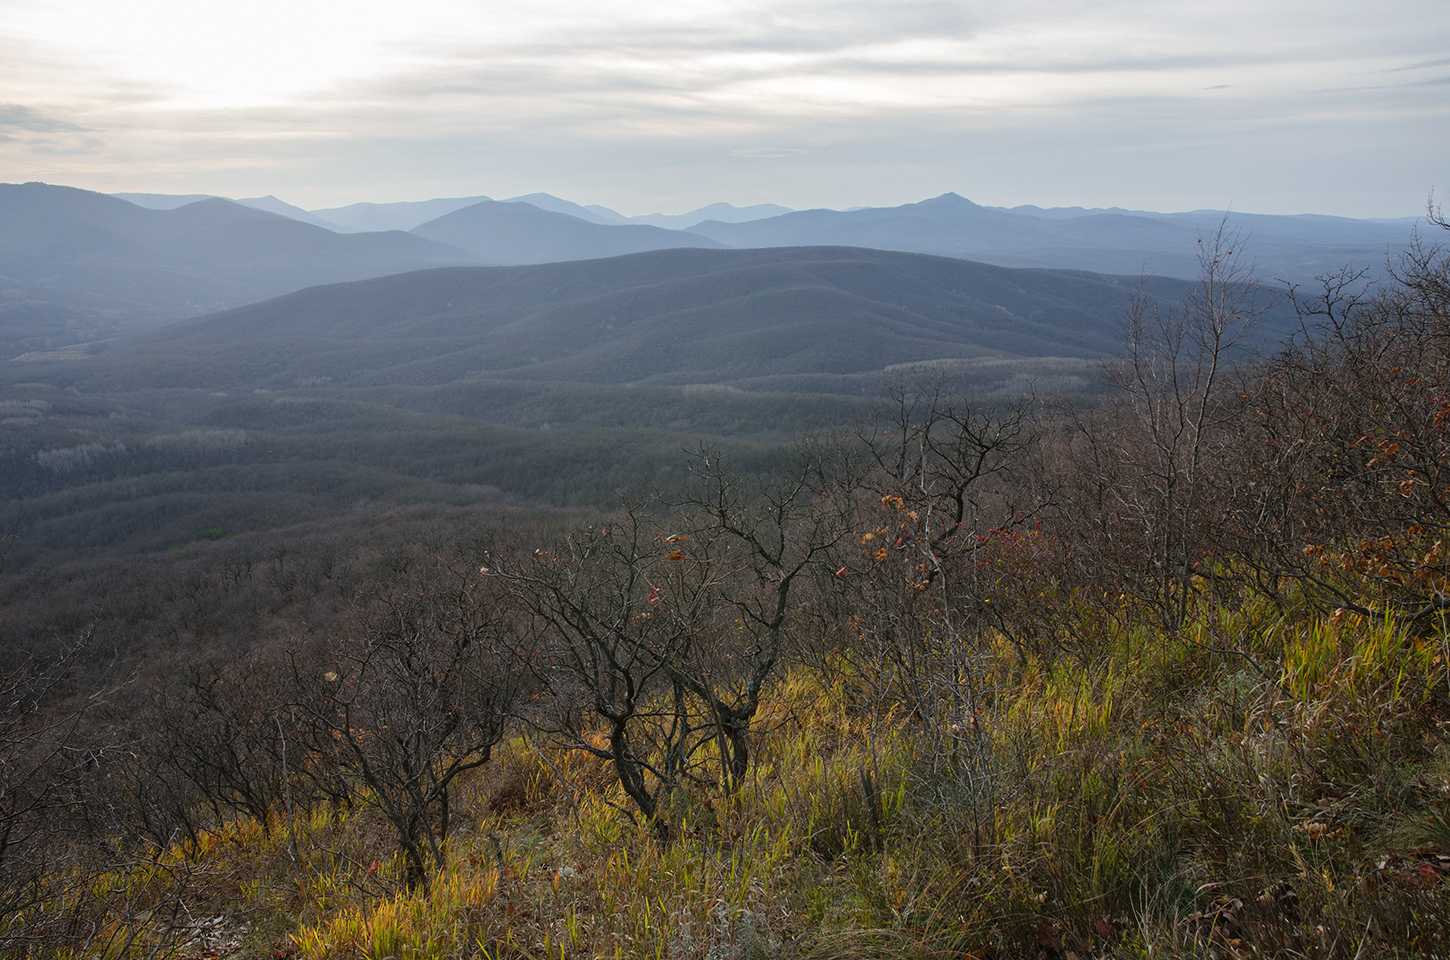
<point>615,609</point>
<point>943,525</point>
<point>1172,420</point>
<point>768,538</point>
<point>227,732</point>
<point>43,770</point>
<point>416,698</point>
<point>1351,498</point>
<point>963,478</point>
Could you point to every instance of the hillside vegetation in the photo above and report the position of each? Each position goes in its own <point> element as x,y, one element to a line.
<point>559,384</point>
<point>676,316</point>
<point>1164,677</point>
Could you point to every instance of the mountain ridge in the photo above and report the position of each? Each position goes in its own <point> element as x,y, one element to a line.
<point>79,265</point>
<point>1109,241</point>
<point>517,232</point>
<point>678,316</point>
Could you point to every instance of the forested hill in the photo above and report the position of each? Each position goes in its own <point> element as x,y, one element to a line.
<point>559,383</point>
<point>662,317</point>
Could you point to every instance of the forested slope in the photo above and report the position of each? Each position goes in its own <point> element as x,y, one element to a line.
<point>1164,676</point>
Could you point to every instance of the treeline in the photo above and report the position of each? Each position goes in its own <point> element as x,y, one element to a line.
<point>918,559</point>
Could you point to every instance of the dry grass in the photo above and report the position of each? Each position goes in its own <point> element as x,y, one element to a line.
<point>1260,786</point>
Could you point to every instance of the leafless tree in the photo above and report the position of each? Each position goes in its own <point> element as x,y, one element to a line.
<point>417,697</point>
<point>1172,419</point>
<point>767,539</point>
<point>227,734</point>
<point>615,608</point>
<point>44,759</point>
<point>1351,431</point>
<point>944,522</point>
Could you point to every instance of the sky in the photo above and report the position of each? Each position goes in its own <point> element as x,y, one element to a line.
<point>1266,106</point>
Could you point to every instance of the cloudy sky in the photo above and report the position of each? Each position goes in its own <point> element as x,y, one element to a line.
<point>1272,106</point>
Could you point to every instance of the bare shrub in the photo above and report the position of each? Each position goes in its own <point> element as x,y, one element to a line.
<point>418,696</point>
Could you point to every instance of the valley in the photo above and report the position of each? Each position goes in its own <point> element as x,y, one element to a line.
<point>725,590</point>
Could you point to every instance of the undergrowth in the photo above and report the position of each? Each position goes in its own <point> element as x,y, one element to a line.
<point>1260,785</point>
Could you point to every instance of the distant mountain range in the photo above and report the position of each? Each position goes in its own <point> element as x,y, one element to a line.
<point>77,266</point>
<point>393,216</point>
<point>719,212</point>
<point>520,232</point>
<point>170,201</point>
<point>1110,240</point>
<point>1291,248</point>
<point>669,317</point>
<point>406,215</point>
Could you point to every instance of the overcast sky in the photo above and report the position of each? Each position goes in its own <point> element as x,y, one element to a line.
<point>1273,106</point>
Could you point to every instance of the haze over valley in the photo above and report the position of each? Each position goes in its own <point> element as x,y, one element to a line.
<point>79,266</point>
<point>552,327</point>
<point>806,480</point>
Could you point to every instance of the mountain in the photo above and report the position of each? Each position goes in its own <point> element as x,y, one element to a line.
<point>1065,213</point>
<point>1106,241</point>
<point>593,213</point>
<point>721,317</point>
<point>561,383</point>
<point>111,265</point>
<point>404,215</point>
<point>507,232</point>
<point>271,204</point>
<point>723,212</point>
<point>163,201</point>
<point>171,201</point>
<point>610,216</point>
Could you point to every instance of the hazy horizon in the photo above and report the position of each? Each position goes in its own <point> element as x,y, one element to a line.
<point>1233,210</point>
<point>1333,107</point>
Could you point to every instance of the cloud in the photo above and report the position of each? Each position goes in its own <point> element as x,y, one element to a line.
<point>28,118</point>
<point>81,146</point>
<point>1423,65</point>
<point>638,102</point>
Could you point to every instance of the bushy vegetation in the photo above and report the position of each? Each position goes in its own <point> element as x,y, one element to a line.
<point>1163,678</point>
